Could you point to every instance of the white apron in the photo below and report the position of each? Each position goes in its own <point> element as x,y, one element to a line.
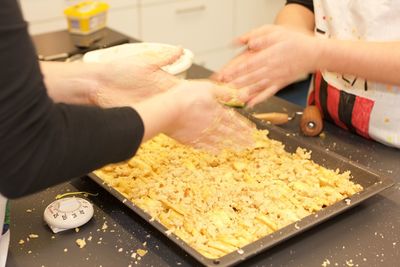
<point>4,237</point>
<point>378,104</point>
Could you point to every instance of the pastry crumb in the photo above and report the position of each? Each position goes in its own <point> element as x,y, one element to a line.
<point>141,252</point>
<point>169,232</point>
<point>81,242</point>
<point>326,263</point>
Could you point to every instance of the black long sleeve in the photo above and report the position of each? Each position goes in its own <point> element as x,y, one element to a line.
<point>43,143</point>
<point>306,3</point>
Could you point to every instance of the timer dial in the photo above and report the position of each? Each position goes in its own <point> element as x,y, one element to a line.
<point>68,213</point>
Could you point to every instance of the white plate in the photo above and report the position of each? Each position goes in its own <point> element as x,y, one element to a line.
<point>125,50</point>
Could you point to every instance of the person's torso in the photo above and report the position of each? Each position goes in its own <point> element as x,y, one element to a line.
<point>373,107</point>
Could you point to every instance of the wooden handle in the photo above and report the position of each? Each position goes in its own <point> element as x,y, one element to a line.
<point>311,123</point>
<point>273,117</point>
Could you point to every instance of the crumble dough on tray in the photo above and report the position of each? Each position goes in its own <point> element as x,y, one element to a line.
<point>218,204</point>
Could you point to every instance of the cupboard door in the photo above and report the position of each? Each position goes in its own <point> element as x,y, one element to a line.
<point>214,60</point>
<point>254,13</point>
<point>125,20</point>
<point>121,3</point>
<point>47,26</point>
<point>42,10</point>
<point>199,25</point>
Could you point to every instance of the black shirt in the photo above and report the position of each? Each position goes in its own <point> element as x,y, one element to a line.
<point>43,143</point>
<point>306,3</point>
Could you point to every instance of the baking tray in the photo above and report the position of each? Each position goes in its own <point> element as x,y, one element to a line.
<point>371,182</point>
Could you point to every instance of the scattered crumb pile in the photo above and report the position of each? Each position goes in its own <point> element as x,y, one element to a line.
<point>220,203</point>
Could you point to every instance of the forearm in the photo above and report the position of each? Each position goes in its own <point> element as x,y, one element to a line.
<point>378,62</point>
<point>71,82</point>
<point>158,113</point>
<point>296,16</point>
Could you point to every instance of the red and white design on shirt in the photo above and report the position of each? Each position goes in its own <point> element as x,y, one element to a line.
<point>350,112</point>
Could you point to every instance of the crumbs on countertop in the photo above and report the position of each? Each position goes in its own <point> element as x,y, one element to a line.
<point>141,252</point>
<point>349,263</point>
<point>105,226</point>
<point>81,242</point>
<point>326,263</point>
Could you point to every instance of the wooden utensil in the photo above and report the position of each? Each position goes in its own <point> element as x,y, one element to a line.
<point>276,118</point>
<point>311,123</point>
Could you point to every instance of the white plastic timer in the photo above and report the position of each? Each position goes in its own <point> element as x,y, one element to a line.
<point>68,213</point>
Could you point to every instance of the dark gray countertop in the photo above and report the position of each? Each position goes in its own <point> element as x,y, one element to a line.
<point>367,235</point>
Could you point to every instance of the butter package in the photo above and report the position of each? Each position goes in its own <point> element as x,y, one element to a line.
<point>86,17</point>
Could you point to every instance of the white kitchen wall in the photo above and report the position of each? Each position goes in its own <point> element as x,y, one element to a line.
<point>207,27</point>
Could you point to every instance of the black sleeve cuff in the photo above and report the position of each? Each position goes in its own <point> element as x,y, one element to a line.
<point>306,3</point>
